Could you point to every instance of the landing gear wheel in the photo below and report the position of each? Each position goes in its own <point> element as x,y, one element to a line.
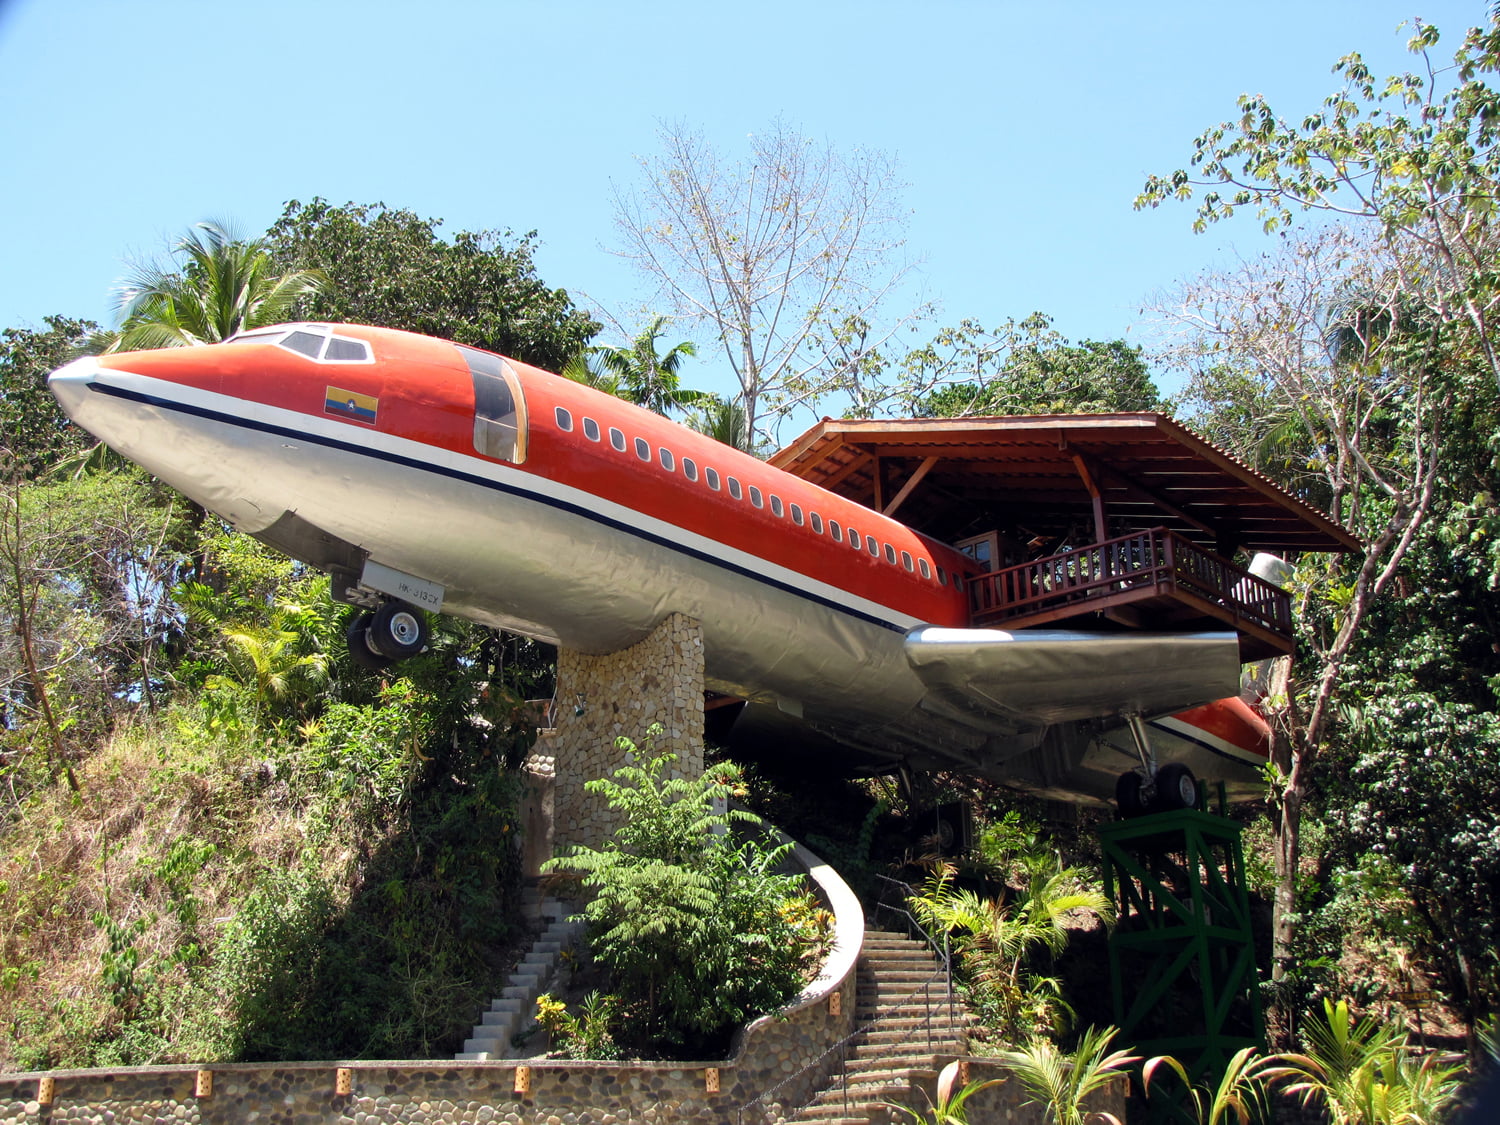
<point>398,630</point>
<point>357,636</point>
<point>1128,798</point>
<point>1176,788</point>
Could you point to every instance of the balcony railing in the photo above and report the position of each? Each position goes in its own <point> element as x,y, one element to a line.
<point>1156,565</point>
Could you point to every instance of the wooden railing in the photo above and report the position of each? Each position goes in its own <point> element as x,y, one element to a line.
<point>1134,567</point>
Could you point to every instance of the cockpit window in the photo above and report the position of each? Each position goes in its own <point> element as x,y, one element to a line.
<point>309,344</point>
<point>341,349</point>
<point>315,341</point>
<point>499,407</point>
<point>258,336</point>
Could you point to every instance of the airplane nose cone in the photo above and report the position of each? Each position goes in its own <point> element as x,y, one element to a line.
<point>70,384</point>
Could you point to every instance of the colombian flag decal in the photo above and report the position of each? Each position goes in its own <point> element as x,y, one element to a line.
<point>350,404</point>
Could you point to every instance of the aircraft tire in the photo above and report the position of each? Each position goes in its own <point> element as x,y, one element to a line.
<point>398,631</point>
<point>1176,788</point>
<point>357,637</point>
<point>1128,797</point>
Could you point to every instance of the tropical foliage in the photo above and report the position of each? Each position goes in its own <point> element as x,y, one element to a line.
<point>1004,942</point>
<point>695,927</point>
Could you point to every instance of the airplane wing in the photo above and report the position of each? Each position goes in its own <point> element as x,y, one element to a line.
<point>1036,678</point>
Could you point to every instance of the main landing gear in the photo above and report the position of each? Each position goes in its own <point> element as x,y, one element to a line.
<point>1153,789</point>
<point>393,632</point>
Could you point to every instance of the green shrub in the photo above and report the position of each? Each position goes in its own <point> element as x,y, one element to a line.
<point>695,927</point>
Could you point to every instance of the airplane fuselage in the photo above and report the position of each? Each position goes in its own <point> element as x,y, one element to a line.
<point>532,503</point>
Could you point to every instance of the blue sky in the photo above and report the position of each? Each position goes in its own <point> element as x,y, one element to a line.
<point>1023,130</point>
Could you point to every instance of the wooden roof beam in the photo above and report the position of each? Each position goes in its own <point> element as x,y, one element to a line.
<point>906,489</point>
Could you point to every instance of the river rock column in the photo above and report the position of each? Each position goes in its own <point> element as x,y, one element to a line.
<point>602,698</point>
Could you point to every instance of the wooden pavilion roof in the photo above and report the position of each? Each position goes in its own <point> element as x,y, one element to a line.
<point>941,475</point>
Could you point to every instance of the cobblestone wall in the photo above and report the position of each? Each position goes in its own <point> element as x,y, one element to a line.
<point>601,698</point>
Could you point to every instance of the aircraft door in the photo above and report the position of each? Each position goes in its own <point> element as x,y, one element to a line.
<point>499,407</point>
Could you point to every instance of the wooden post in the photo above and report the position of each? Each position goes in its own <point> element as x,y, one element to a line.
<point>711,1080</point>
<point>343,1080</point>
<point>46,1087</point>
<point>523,1081</point>
<point>836,1002</point>
<point>203,1087</point>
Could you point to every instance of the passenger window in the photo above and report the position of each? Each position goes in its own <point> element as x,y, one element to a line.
<point>591,429</point>
<point>564,421</point>
<point>734,488</point>
<point>926,570</point>
<point>755,497</point>
<point>890,555</point>
<point>872,546</point>
<point>617,439</point>
<point>643,449</point>
<point>906,560</point>
<point>958,581</point>
<point>689,468</point>
<point>817,523</point>
<point>796,515</point>
<point>853,538</point>
<point>833,530</point>
<point>942,577</point>
<point>499,408</point>
<point>711,477</point>
<point>666,458</point>
<point>776,508</point>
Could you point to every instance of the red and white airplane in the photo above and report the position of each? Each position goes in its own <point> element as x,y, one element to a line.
<point>426,476</point>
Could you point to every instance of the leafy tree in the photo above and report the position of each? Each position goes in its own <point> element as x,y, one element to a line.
<point>34,431</point>
<point>1414,156</point>
<point>1360,391</point>
<point>224,285</point>
<point>1024,368</point>
<point>391,268</point>
<point>84,567</point>
<point>781,258</point>
<point>695,927</point>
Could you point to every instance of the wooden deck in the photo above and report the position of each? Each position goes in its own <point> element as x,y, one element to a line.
<point>1153,579</point>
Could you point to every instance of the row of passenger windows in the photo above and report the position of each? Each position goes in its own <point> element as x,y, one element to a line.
<point>690,469</point>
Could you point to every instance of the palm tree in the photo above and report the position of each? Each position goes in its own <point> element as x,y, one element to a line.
<point>1061,1082</point>
<point>723,420</point>
<point>996,941</point>
<point>1365,1072</point>
<point>226,284</point>
<point>646,378</point>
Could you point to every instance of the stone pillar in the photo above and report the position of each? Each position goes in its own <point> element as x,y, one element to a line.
<point>601,698</point>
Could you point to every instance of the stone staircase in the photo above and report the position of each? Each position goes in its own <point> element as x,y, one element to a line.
<point>908,1032</point>
<point>515,1009</point>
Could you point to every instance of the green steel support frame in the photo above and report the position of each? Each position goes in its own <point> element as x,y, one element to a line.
<point>1182,958</point>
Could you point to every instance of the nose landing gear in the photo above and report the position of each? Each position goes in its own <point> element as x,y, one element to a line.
<point>393,632</point>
